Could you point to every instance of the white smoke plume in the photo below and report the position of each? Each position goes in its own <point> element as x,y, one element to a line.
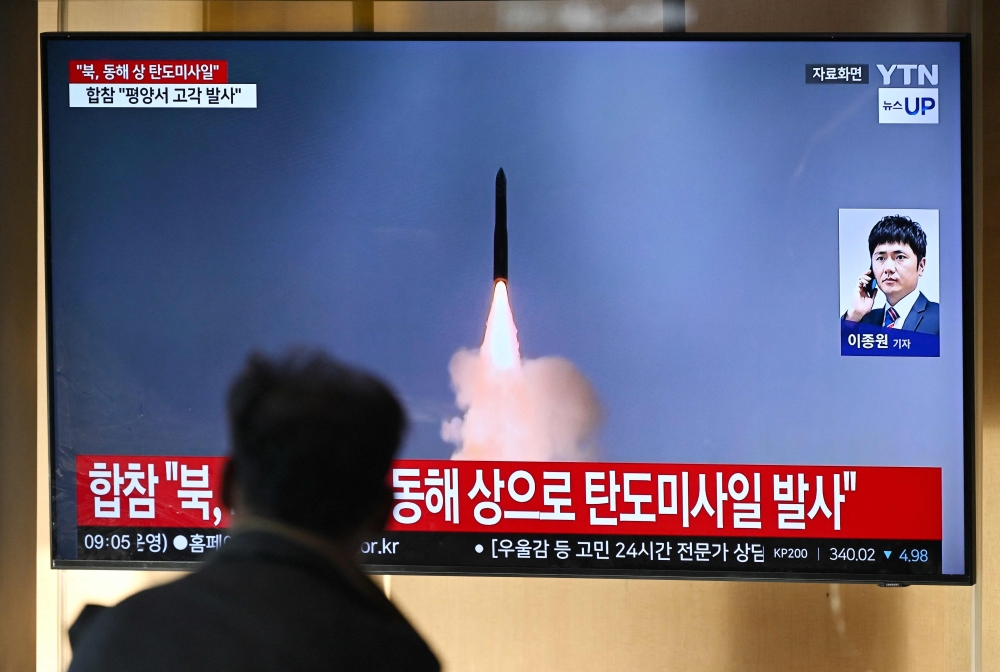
<point>531,410</point>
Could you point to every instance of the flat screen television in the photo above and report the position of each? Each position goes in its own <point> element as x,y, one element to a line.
<point>657,306</point>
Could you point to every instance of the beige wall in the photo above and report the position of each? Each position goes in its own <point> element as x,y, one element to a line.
<point>581,625</point>
<point>155,15</point>
<point>988,163</point>
<point>863,16</point>
<point>17,334</point>
<point>278,15</point>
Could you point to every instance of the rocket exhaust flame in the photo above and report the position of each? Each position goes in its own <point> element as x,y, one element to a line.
<point>516,409</point>
<point>500,342</point>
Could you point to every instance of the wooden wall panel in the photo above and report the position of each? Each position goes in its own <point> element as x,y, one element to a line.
<point>580,625</point>
<point>402,15</point>
<point>514,15</point>
<point>988,158</point>
<point>152,15</point>
<point>278,15</point>
<point>829,16</point>
<point>18,157</point>
<point>48,629</point>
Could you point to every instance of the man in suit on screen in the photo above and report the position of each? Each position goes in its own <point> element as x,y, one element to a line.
<point>898,250</point>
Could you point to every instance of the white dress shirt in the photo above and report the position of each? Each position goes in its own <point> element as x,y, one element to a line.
<point>903,307</point>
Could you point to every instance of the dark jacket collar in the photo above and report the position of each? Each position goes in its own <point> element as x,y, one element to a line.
<point>916,313</point>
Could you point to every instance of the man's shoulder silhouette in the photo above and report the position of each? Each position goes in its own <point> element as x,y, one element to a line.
<point>263,603</point>
<point>312,443</point>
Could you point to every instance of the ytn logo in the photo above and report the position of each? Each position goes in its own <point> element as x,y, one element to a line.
<point>923,74</point>
<point>907,106</point>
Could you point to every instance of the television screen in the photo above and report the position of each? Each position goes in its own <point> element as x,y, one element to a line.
<point>656,306</point>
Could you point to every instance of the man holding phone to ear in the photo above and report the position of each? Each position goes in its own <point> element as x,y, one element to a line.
<point>898,249</point>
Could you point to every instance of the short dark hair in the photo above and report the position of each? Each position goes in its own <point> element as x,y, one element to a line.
<point>898,229</point>
<point>312,440</point>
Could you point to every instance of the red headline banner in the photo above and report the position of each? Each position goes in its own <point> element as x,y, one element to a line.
<point>122,72</point>
<point>667,499</point>
<point>132,491</point>
<point>559,497</point>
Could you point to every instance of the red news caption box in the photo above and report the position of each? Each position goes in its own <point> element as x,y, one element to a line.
<point>133,491</point>
<point>667,499</point>
<point>134,72</point>
<point>559,497</point>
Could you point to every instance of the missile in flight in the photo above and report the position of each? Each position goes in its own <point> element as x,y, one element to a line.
<point>500,230</point>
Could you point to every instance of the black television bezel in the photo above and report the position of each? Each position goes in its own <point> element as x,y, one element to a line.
<point>969,371</point>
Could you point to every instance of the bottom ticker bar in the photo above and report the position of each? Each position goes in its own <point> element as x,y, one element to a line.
<point>555,553</point>
<point>148,544</point>
<point>613,553</point>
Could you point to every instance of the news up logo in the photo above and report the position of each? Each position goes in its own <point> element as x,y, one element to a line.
<point>902,105</point>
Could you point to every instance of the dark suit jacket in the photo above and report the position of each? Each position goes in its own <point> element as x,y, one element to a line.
<point>923,317</point>
<point>262,603</point>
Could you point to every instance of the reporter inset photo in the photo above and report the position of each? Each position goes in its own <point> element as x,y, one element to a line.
<point>889,295</point>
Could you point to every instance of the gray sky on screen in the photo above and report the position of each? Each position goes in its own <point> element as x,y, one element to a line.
<point>673,218</point>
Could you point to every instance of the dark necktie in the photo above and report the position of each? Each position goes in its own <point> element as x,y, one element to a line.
<point>890,318</point>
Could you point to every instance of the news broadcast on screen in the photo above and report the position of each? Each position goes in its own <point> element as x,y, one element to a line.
<point>656,307</point>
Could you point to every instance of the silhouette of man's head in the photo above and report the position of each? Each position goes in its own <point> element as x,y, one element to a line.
<point>312,440</point>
